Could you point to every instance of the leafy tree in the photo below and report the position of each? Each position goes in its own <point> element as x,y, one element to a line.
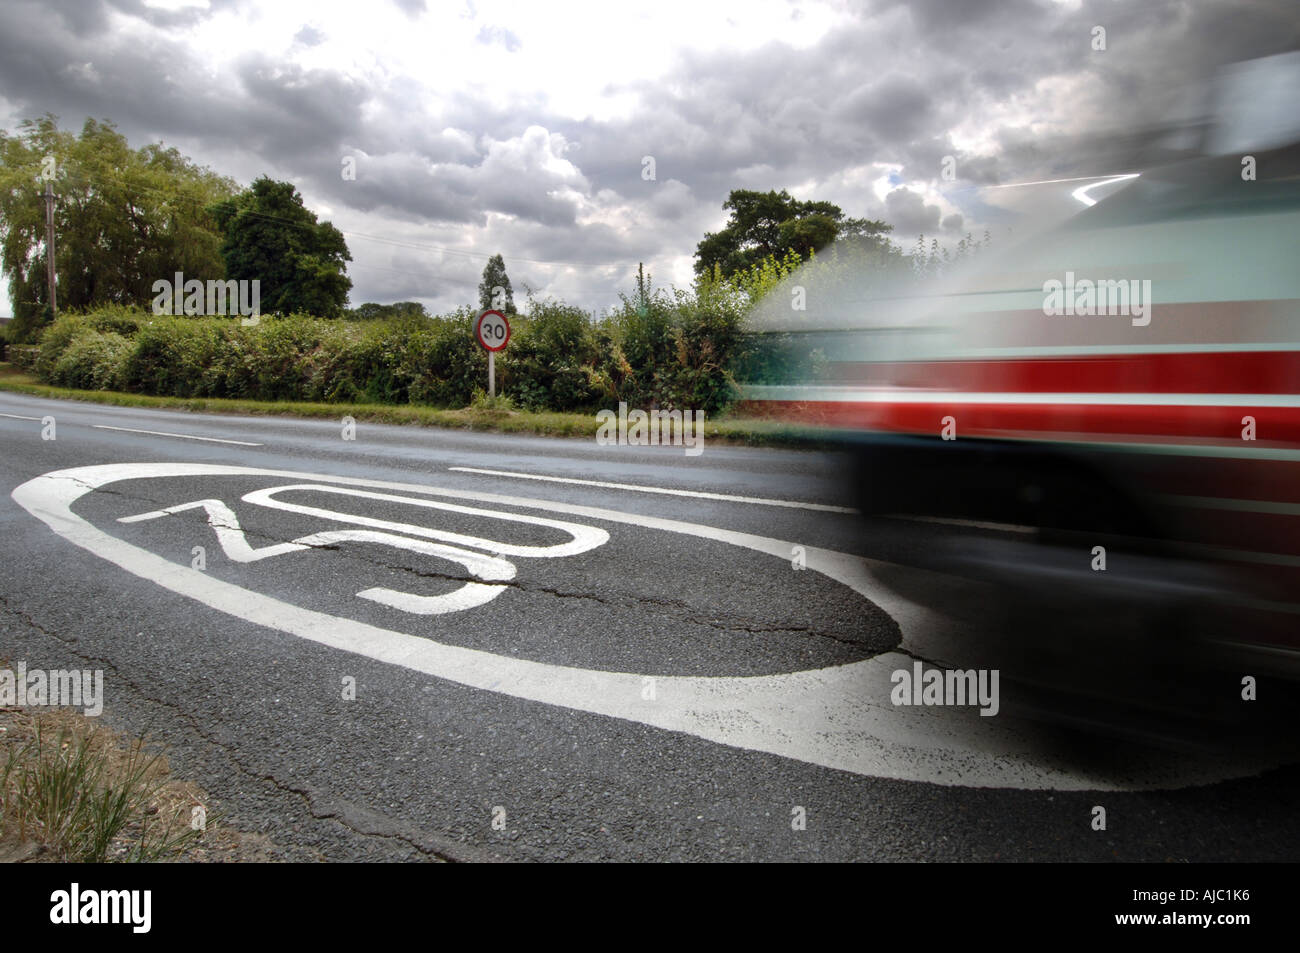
<point>772,224</point>
<point>400,309</point>
<point>644,283</point>
<point>271,237</point>
<point>494,276</point>
<point>123,218</point>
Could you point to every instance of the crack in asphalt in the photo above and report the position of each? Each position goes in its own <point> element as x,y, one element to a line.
<point>684,611</point>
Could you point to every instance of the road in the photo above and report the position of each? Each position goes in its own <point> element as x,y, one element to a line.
<point>557,651</point>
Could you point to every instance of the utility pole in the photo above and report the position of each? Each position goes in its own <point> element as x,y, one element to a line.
<point>49,246</point>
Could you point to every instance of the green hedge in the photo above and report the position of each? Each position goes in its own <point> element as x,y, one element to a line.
<point>93,361</point>
<point>670,350</point>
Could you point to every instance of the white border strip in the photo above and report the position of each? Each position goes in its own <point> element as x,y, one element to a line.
<point>183,436</point>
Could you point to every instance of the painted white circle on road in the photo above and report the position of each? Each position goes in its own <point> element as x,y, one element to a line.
<point>837,717</point>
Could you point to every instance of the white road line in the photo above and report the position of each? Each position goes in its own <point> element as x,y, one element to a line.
<point>584,537</point>
<point>838,717</point>
<point>20,417</point>
<point>698,494</point>
<point>471,595</point>
<point>183,436</point>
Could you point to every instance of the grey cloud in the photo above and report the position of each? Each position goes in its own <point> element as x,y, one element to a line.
<point>895,108</point>
<point>277,110</point>
<point>88,18</point>
<point>889,88</point>
<point>295,110</point>
<point>953,16</point>
<point>403,187</point>
<point>908,212</point>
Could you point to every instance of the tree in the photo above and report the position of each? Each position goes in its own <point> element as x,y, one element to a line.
<point>123,218</point>
<point>400,309</point>
<point>271,237</point>
<point>771,224</point>
<point>494,278</point>
<point>644,283</point>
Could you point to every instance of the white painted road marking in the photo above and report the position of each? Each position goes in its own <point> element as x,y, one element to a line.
<point>698,494</point>
<point>229,533</point>
<point>20,417</point>
<point>838,717</point>
<point>234,543</point>
<point>584,537</point>
<point>183,436</point>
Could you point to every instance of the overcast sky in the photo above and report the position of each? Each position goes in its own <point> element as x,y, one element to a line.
<point>522,128</point>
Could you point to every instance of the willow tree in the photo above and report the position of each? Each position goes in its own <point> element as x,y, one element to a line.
<point>123,218</point>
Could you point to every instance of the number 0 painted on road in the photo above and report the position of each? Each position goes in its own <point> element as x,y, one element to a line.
<point>492,330</point>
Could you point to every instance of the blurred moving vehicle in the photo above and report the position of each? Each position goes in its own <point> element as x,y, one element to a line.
<point>1104,420</point>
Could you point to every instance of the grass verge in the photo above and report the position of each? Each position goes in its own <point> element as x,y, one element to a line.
<point>482,416</point>
<point>74,790</point>
<point>71,790</point>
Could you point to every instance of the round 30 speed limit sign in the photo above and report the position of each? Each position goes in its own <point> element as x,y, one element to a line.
<point>492,330</point>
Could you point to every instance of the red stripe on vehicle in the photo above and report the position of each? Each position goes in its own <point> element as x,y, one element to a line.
<point>1214,372</point>
<point>1273,425</point>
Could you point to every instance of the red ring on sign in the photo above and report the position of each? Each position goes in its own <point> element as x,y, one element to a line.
<point>478,331</point>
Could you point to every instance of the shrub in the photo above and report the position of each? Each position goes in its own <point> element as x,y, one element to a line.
<point>93,361</point>
<point>442,364</point>
<point>276,361</point>
<point>339,369</point>
<point>550,362</point>
<point>172,356</point>
<point>24,355</point>
<point>117,319</point>
<point>674,350</point>
<point>72,325</point>
<point>54,341</point>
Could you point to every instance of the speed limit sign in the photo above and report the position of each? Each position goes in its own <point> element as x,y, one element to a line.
<point>492,330</point>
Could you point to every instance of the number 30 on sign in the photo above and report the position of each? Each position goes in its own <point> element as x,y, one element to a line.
<point>492,330</point>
